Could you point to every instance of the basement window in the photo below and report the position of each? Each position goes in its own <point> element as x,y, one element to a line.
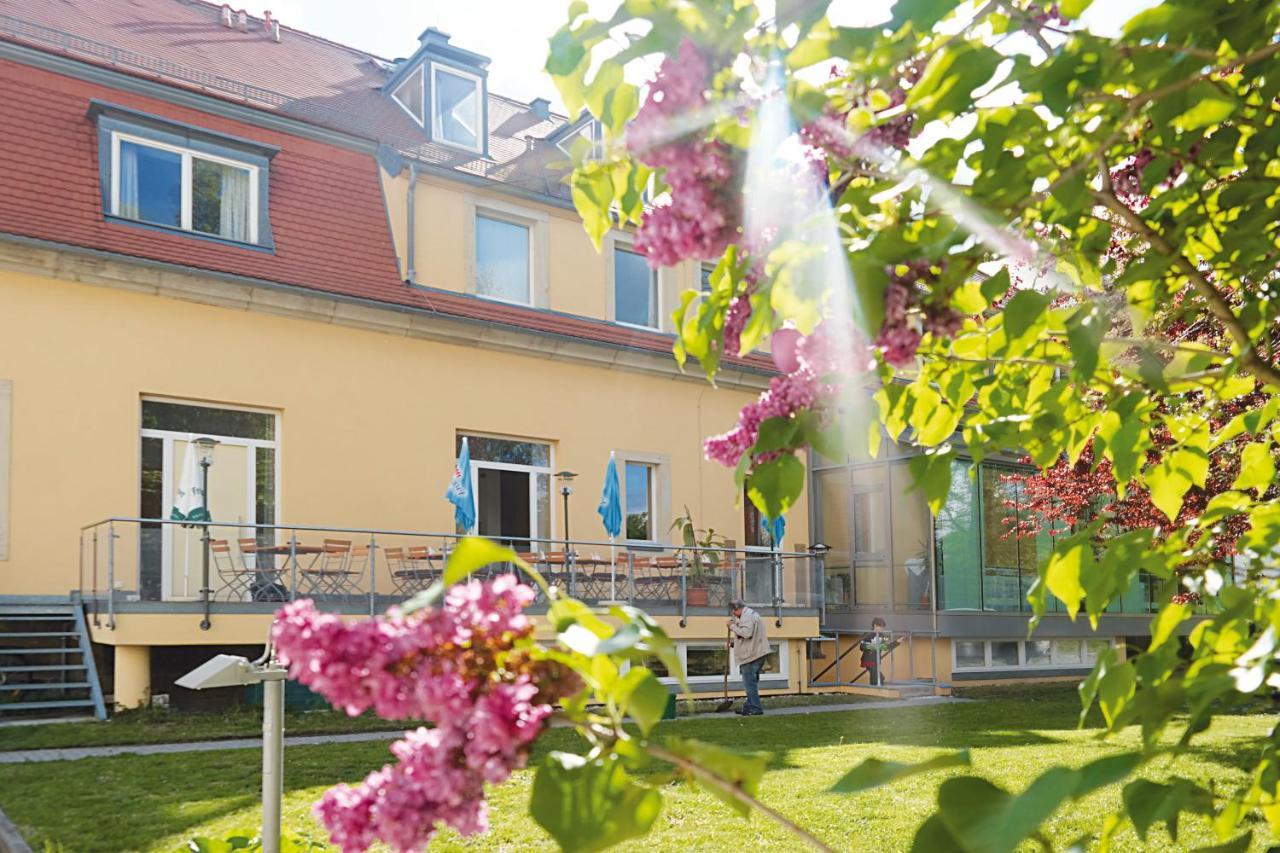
<point>167,175</point>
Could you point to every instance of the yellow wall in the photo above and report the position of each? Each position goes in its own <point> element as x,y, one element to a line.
<point>578,274</point>
<point>367,422</point>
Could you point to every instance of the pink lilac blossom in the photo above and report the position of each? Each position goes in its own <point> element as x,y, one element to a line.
<point>810,386</point>
<point>701,217</point>
<point>458,666</point>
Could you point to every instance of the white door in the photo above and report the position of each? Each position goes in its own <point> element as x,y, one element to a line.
<point>231,500</point>
<point>507,502</point>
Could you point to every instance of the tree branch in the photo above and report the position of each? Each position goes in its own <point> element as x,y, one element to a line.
<point>1217,303</point>
<point>695,769</point>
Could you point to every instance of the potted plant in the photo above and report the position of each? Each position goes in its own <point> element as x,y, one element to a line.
<point>702,557</point>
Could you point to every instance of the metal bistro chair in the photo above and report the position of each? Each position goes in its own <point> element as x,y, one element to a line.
<point>235,580</point>
<point>555,568</point>
<point>328,574</point>
<point>422,566</point>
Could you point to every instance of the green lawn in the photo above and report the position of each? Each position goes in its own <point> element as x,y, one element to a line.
<point>159,726</point>
<point>155,802</point>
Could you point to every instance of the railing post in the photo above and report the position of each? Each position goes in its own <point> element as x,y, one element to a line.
<point>684,589</point>
<point>571,566</point>
<point>373,574</point>
<point>911,656</point>
<point>839,680</point>
<point>97,623</point>
<point>819,552</point>
<point>776,559</point>
<point>631,578</point>
<point>206,591</point>
<point>293,564</point>
<point>111,575</point>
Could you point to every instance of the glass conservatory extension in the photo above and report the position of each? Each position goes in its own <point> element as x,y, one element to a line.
<point>886,551</point>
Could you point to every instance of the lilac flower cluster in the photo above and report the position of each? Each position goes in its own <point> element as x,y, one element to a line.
<point>701,218</point>
<point>899,337</point>
<point>808,386</point>
<point>830,132</point>
<point>465,667</point>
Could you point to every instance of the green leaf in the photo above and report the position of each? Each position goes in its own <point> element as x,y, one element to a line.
<point>739,770</point>
<point>931,473</point>
<point>640,694</point>
<point>474,553</point>
<point>1071,9</point>
<point>1257,468</point>
<point>1085,330</point>
<point>775,485</point>
<point>1149,803</point>
<point>1024,317</point>
<point>996,286</point>
<point>1064,570</point>
<point>1210,106</point>
<point>990,819</point>
<point>874,772</point>
<point>588,805</point>
<point>933,836</point>
<point>1166,623</point>
<point>1167,486</point>
<point>776,434</point>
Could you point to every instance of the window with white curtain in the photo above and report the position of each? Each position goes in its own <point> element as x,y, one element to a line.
<point>456,111</point>
<point>180,188</point>
<point>502,260</point>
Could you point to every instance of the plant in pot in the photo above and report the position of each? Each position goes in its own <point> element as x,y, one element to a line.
<point>701,549</point>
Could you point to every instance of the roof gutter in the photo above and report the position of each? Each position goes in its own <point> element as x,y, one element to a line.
<point>409,200</point>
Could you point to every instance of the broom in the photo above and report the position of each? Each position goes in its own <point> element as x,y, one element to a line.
<point>726,703</point>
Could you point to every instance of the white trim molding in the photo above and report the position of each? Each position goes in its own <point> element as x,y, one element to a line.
<point>537,221</point>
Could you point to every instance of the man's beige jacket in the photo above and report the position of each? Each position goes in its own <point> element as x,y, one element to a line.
<point>749,639</point>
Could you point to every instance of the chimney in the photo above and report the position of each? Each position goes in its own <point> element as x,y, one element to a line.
<point>433,36</point>
<point>226,16</point>
<point>271,25</point>
<point>541,108</point>
<point>242,21</point>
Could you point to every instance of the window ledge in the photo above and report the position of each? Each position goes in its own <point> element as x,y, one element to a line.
<point>199,235</point>
<point>1014,674</point>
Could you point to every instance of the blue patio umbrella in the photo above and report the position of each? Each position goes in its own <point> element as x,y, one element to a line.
<point>610,510</point>
<point>460,493</point>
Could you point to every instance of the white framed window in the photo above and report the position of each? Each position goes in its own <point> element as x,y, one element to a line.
<point>1011,655</point>
<point>504,258</point>
<point>635,289</point>
<point>705,662</point>
<point>457,115</point>
<point>409,95</point>
<point>639,501</point>
<point>174,187</point>
<point>591,133</point>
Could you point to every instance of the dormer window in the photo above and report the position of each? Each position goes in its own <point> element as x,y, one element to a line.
<point>409,96</point>
<point>161,174</point>
<point>456,115</point>
<point>442,86</point>
<point>591,133</point>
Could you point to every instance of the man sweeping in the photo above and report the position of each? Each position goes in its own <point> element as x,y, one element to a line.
<point>750,649</point>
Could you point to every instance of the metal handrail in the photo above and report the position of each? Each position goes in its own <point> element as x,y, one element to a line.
<point>551,540</point>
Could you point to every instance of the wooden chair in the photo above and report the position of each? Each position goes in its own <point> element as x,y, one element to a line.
<point>328,573</point>
<point>234,579</point>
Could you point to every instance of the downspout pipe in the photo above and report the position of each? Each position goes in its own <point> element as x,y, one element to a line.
<point>413,184</point>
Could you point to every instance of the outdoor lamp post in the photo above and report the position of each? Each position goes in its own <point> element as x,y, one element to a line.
<point>236,671</point>
<point>204,453</point>
<point>566,477</point>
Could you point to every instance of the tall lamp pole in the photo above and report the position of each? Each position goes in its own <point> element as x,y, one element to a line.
<point>204,450</point>
<point>566,489</point>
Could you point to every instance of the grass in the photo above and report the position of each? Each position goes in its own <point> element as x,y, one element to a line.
<point>160,726</point>
<point>156,802</point>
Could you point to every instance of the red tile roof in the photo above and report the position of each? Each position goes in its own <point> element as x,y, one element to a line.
<point>183,43</point>
<point>327,214</point>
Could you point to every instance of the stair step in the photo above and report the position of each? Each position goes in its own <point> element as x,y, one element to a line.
<point>71,650</point>
<point>43,668</point>
<point>41,706</point>
<point>53,685</point>
<point>12,634</point>
<point>35,617</point>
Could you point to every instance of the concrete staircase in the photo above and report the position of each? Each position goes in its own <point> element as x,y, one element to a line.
<point>46,662</point>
